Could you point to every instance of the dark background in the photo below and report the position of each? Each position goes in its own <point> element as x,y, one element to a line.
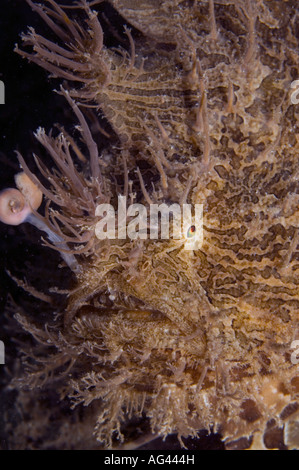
<point>29,104</point>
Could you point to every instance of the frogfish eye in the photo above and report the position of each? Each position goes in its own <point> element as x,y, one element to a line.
<point>191,231</point>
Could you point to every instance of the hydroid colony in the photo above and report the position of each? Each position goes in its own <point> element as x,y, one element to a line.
<point>201,108</point>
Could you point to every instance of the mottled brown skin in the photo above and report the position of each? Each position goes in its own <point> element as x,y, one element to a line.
<point>203,106</point>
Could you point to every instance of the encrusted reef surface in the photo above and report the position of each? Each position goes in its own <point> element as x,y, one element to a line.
<point>196,105</point>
